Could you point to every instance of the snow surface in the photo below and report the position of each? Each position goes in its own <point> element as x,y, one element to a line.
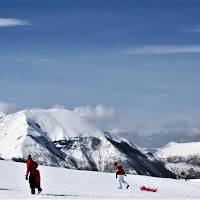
<point>179,149</point>
<point>13,132</point>
<point>61,183</point>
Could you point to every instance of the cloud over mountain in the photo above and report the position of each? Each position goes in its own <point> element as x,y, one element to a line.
<point>179,131</point>
<point>7,108</point>
<point>99,112</point>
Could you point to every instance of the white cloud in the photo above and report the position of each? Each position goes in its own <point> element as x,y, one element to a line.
<point>193,131</point>
<point>4,22</point>
<point>7,108</point>
<point>99,112</point>
<point>58,106</point>
<point>162,49</point>
<point>193,30</point>
<point>118,131</point>
<point>177,125</point>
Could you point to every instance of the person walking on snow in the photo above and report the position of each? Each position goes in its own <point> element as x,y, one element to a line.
<point>120,175</point>
<point>34,177</point>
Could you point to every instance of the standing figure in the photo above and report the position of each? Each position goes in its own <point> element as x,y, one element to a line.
<point>34,177</point>
<point>120,175</point>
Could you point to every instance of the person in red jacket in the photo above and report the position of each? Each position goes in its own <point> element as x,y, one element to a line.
<point>34,177</point>
<point>120,175</point>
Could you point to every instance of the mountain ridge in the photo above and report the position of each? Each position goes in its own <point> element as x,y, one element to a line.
<point>58,137</point>
<point>181,158</point>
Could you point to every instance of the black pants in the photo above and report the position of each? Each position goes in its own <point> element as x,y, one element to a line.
<point>33,183</point>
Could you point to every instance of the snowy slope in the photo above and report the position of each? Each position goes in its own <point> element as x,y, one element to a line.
<point>61,183</point>
<point>182,157</point>
<point>19,137</point>
<point>59,137</point>
<point>62,124</point>
<point>179,149</point>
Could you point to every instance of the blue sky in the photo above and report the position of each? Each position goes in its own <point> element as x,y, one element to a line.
<point>138,59</point>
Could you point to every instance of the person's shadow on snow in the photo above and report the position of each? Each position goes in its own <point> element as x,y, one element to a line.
<point>5,189</point>
<point>61,195</point>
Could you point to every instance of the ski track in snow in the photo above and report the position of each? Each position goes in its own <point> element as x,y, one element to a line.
<point>61,183</point>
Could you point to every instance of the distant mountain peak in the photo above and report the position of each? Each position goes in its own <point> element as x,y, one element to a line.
<point>181,157</point>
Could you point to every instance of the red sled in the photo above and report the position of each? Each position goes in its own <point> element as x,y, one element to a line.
<point>37,179</point>
<point>148,189</point>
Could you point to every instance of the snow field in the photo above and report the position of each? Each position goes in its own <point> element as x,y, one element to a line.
<point>61,183</point>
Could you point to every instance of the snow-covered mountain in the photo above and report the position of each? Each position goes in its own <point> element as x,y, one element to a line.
<point>59,137</point>
<point>182,157</point>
